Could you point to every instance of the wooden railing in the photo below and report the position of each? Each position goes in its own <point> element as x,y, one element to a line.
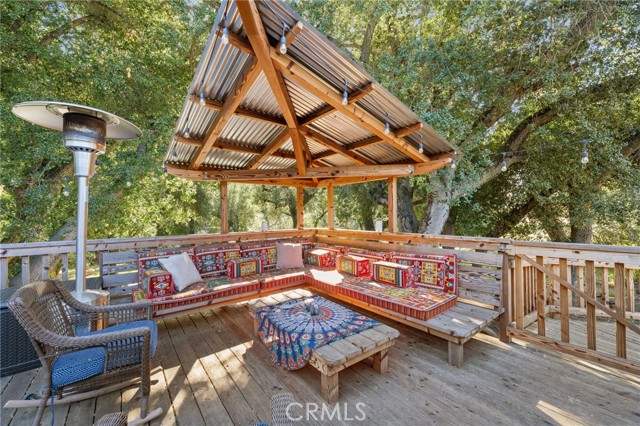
<point>535,282</point>
<point>45,252</point>
<point>573,282</point>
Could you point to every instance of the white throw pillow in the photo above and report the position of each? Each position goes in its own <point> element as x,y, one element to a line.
<point>288,255</point>
<point>182,270</point>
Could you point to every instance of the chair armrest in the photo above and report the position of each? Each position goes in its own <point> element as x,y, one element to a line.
<point>70,343</point>
<point>125,312</point>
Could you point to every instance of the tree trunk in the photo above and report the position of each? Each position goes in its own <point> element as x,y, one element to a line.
<point>582,233</point>
<point>438,213</point>
<point>407,220</point>
<point>368,35</point>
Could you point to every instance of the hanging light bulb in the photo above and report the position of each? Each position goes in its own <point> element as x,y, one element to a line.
<point>128,183</point>
<point>453,163</point>
<point>164,168</point>
<point>225,36</point>
<point>174,156</point>
<point>387,128</point>
<point>65,190</point>
<point>345,95</point>
<point>202,100</point>
<point>420,148</point>
<point>503,166</point>
<point>585,154</point>
<point>283,39</point>
<point>186,133</point>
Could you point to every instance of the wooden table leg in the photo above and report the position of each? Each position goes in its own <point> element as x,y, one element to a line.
<point>330,388</point>
<point>381,361</point>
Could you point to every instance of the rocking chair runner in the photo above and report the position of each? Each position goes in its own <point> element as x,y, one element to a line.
<point>78,360</point>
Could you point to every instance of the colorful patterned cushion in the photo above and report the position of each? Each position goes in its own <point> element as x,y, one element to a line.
<point>211,261</point>
<point>267,252</point>
<point>421,303</point>
<point>434,271</point>
<point>150,259</point>
<point>244,266</point>
<point>392,273</point>
<point>321,257</point>
<point>374,256</point>
<point>333,248</point>
<point>156,283</point>
<point>354,265</point>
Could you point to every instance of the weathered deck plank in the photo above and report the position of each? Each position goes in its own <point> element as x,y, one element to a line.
<point>499,383</point>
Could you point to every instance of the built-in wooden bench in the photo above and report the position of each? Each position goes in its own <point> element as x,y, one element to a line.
<point>334,357</point>
<point>480,294</point>
<point>480,301</point>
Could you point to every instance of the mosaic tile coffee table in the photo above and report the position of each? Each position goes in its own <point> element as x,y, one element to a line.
<point>335,356</point>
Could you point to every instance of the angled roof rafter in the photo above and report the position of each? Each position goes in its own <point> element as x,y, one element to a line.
<point>242,86</point>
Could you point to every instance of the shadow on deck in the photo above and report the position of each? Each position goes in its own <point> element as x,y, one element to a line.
<point>215,373</point>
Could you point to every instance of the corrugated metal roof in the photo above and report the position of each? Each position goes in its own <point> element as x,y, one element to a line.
<point>221,67</point>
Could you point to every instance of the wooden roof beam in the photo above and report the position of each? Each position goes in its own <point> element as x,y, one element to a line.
<point>327,93</point>
<point>269,149</point>
<point>228,146</point>
<point>258,38</point>
<point>387,170</point>
<point>360,93</point>
<point>317,115</point>
<point>236,41</point>
<point>328,143</point>
<point>373,140</point>
<point>235,97</point>
<point>406,131</point>
<point>242,112</point>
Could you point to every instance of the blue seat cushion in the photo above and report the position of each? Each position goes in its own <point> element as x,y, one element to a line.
<point>77,366</point>
<point>135,324</point>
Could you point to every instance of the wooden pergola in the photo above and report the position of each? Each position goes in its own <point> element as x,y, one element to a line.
<point>308,118</point>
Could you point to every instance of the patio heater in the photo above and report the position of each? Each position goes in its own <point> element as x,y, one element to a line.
<point>84,130</point>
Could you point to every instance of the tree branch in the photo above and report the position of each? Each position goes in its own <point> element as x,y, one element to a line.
<point>55,34</point>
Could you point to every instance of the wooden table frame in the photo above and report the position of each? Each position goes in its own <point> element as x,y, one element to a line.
<point>334,357</point>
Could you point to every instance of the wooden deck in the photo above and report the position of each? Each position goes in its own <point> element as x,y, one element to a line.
<point>215,373</point>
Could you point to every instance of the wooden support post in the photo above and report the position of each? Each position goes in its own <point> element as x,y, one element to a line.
<point>564,302</point>
<point>392,194</point>
<point>555,287</point>
<point>224,208</point>
<point>590,281</point>
<point>519,291</point>
<point>330,211</point>
<point>505,317</point>
<point>330,387</point>
<point>381,361</point>
<point>621,330</point>
<point>456,354</point>
<point>45,266</point>
<point>541,298</point>
<point>300,207</point>
<point>631,291</point>
<point>580,282</point>
<point>605,286</point>
<point>65,267</point>
<point>26,273</point>
<point>4,273</point>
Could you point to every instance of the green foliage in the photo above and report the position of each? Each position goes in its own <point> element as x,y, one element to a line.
<point>531,78</point>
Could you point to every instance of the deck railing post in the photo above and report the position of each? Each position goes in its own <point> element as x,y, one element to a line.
<point>224,208</point>
<point>300,207</point>
<point>330,211</point>
<point>541,298</point>
<point>4,273</point>
<point>621,330</point>
<point>505,317</point>
<point>519,291</point>
<point>392,203</point>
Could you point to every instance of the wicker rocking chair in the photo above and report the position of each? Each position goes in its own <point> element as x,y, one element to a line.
<point>80,360</point>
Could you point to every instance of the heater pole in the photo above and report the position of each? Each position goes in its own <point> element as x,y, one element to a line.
<point>81,234</point>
